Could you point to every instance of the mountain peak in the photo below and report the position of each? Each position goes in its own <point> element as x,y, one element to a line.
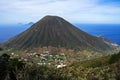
<point>51,16</point>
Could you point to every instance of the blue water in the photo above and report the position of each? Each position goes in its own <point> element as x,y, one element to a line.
<point>9,31</point>
<point>110,31</point>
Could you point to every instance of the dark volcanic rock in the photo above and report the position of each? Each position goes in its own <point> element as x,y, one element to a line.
<point>57,32</point>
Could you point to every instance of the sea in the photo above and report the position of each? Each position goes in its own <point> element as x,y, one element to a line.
<point>109,31</point>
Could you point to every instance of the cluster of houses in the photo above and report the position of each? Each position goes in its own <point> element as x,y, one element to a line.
<point>44,56</point>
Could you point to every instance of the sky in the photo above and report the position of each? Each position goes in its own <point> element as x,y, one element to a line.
<point>75,11</point>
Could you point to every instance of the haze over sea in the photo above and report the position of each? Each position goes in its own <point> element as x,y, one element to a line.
<point>110,31</point>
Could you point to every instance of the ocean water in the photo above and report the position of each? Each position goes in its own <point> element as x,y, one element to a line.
<point>110,31</point>
<point>9,31</point>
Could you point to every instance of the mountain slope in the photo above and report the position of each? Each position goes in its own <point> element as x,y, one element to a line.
<point>57,32</point>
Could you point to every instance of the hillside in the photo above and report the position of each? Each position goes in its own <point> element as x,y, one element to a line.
<point>57,32</point>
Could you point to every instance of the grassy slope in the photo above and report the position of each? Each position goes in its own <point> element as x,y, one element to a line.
<point>95,69</point>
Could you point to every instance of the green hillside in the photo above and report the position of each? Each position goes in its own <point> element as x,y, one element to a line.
<point>102,68</point>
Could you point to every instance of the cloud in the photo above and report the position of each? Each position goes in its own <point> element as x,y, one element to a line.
<point>75,11</point>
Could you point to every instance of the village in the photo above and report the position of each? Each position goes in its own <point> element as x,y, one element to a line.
<point>50,56</point>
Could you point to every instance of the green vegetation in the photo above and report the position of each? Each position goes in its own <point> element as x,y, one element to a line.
<point>15,64</point>
<point>9,67</point>
<point>101,68</point>
<point>114,58</point>
<point>1,49</point>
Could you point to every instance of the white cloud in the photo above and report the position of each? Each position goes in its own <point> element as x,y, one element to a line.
<point>75,11</point>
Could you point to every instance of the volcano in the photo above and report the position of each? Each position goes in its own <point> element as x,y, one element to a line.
<point>57,32</point>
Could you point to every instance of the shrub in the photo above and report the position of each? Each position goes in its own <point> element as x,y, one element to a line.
<point>114,58</point>
<point>93,64</point>
<point>1,49</point>
<point>15,63</point>
<point>3,66</point>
